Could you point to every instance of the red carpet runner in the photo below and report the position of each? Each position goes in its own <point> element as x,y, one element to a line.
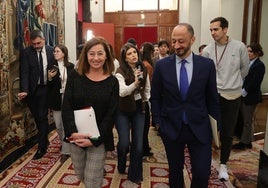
<point>49,172</point>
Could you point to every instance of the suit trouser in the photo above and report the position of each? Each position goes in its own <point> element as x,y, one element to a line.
<point>38,106</point>
<point>146,147</point>
<point>229,116</point>
<point>248,129</point>
<point>200,156</point>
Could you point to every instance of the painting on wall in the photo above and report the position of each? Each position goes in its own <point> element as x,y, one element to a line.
<point>17,19</point>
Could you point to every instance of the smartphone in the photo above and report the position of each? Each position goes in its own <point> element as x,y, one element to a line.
<point>54,68</point>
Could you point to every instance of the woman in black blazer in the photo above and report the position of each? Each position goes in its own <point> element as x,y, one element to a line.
<point>251,95</point>
<point>57,78</point>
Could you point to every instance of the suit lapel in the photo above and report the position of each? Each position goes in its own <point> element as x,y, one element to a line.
<point>173,73</point>
<point>34,56</point>
<point>256,62</point>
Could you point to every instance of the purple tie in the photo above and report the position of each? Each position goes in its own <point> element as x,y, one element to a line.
<point>184,84</point>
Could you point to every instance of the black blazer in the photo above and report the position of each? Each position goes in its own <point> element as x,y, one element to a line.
<point>29,72</point>
<point>54,95</point>
<point>252,83</point>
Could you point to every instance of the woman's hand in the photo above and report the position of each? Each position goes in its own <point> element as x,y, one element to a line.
<point>81,140</point>
<point>51,74</point>
<point>137,73</point>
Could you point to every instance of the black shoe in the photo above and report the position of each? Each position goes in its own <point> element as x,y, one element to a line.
<point>39,154</point>
<point>121,170</point>
<point>242,146</point>
<point>138,182</point>
<point>249,146</point>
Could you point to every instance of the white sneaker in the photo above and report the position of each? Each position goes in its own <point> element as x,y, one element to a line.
<point>223,173</point>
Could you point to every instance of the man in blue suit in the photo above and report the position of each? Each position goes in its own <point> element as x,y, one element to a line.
<point>182,116</point>
<point>35,60</point>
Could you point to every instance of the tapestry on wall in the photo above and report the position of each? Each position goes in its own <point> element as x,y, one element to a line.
<point>18,19</point>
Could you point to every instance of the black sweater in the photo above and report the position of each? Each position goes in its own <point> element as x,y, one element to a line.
<point>82,92</point>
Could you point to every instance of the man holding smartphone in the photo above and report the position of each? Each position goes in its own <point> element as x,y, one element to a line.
<point>34,61</point>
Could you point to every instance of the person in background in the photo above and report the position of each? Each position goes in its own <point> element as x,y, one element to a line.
<point>251,95</point>
<point>91,84</point>
<point>134,91</point>
<point>231,61</point>
<point>110,149</point>
<point>163,46</point>
<point>200,49</point>
<point>116,62</point>
<point>57,78</point>
<point>132,41</point>
<point>181,100</point>
<point>156,53</point>
<point>35,60</point>
<point>146,58</point>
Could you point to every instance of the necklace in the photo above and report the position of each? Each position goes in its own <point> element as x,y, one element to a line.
<point>216,52</point>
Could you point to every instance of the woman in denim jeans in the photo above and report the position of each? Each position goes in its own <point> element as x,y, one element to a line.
<point>134,90</point>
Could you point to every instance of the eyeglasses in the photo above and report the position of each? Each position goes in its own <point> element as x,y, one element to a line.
<point>56,51</point>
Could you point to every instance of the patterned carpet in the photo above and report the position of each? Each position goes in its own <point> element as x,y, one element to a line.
<point>244,165</point>
<point>49,172</point>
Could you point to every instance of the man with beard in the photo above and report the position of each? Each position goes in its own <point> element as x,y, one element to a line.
<point>35,60</point>
<point>183,93</point>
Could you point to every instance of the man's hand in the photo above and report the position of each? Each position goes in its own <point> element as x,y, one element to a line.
<point>22,95</point>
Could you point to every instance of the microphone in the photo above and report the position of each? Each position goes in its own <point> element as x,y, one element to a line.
<point>139,66</point>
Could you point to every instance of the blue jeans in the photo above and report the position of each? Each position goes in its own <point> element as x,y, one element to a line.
<point>134,122</point>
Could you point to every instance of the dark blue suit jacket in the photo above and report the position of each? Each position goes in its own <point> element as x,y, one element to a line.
<point>252,83</point>
<point>29,73</point>
<point>202,98</point>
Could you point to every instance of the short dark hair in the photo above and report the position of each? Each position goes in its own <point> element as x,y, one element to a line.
<point>132,41</point>
<point>161,42</point>
<point>223,22</point>
<point>35,34</point>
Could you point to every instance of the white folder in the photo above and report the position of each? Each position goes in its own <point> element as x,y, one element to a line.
<point>86,123</point>
<point>214,128</point>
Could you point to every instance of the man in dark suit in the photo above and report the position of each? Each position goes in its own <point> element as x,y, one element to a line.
<point>182,116</point>
<point>34,62</point>
<point>251,95</point>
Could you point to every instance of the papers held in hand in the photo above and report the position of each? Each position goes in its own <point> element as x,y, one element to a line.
<point>214,129</point>
<point>86,123</point>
